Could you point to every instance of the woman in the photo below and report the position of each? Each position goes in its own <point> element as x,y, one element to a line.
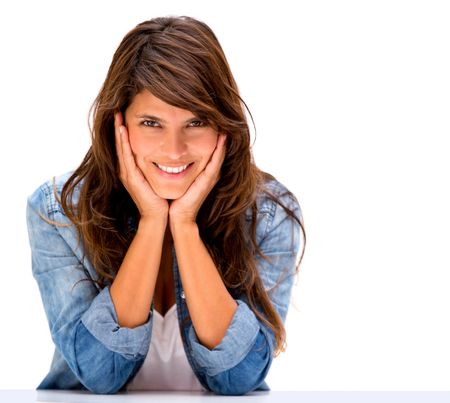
<point>166,259</point>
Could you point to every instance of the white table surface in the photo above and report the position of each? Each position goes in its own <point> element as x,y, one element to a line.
<point>28,396</point>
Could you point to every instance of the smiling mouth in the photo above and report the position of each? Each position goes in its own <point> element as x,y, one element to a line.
<point>173,170</point>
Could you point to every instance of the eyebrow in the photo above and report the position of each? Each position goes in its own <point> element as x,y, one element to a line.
<point>153,117</point>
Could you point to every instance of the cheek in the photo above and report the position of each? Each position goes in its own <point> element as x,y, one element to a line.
<point>207,147</point>
<point>139,145</point>
<point>135,142</point>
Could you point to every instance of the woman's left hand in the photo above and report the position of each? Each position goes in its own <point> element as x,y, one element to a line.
<point>185,209</point>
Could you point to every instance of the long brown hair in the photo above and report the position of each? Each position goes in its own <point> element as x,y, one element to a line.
<point>179,60</point>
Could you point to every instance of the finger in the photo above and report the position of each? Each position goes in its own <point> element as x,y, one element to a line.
<point>220,147</point>
<point>218,156</point>
<point>128,157</point>
<point>118,140</point>
<point>116,132</point>
<point>128,164</point>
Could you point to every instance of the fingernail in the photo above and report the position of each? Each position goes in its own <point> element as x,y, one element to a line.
<point>120,130</point>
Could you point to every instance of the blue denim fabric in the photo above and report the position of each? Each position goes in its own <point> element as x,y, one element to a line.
<point>93,352</point>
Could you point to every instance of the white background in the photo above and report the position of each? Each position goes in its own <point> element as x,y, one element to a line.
<point>351,102</point>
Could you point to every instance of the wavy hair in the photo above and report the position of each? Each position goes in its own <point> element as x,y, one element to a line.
<point>180,61</point>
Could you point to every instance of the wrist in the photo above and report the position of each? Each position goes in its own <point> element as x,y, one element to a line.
<point>152,224</point>
<point>182,227</point>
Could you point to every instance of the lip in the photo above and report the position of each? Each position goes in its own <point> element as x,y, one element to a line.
<point>168,175</point>
<point>173,165</point>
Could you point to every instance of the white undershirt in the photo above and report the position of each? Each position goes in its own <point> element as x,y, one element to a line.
<point>166,366</point>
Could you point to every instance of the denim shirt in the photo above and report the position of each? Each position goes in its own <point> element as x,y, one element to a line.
<point>93,352</point>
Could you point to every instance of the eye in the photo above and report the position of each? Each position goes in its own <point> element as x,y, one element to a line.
<point>150,123</point>
<point>197,123</point>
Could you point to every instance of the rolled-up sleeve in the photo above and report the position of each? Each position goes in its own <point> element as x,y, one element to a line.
<point>82,319</point>
<point>101,321</point>
<point>219,358</point>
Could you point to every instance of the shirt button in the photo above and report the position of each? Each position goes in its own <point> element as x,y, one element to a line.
<point>182,295</point>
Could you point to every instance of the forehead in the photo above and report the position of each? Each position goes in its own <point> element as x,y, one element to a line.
<point>145,103</point>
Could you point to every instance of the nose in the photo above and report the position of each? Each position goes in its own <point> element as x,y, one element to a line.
<point>173,145</point>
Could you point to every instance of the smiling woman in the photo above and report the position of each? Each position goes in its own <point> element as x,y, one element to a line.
<point>166,259</point>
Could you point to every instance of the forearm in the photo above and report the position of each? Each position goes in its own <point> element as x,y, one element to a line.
<point>210,305</point>
<point>133,288</point>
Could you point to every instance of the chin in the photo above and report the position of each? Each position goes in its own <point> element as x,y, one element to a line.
<point>170,194</point>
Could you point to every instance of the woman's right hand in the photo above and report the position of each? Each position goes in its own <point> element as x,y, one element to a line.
<point>149,204</point>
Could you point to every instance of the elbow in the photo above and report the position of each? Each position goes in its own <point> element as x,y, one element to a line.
<point>102,390</point>
<point>248,375</point>
<point>99,369</point>
<point>111,379</point>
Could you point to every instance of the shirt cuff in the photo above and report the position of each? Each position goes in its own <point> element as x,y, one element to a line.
<point>235,345</point>
<point>101,321</point>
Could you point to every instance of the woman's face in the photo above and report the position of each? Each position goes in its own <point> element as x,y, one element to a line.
<point>171,137</point>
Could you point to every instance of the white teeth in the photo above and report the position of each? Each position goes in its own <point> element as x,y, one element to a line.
<point>172,170</point>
